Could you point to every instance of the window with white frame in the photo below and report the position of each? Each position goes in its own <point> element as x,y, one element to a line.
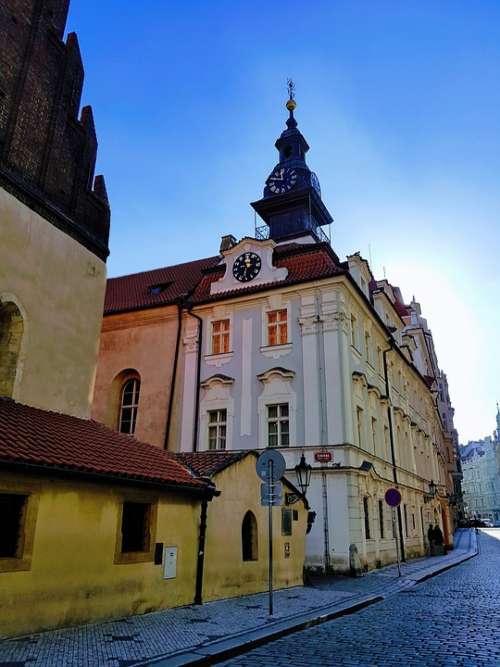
<point>220,336</point>
<point>129,405</point>
<point>217,429</point>
<point>278,426</point>
<point>277,327</point>
<point>359,425</point>
<point>353,330</point>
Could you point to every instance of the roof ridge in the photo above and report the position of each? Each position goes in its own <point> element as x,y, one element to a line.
<point>163,268</point>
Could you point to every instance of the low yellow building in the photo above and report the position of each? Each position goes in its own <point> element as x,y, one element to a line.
<point>96,524</point>
<point>236,550</point>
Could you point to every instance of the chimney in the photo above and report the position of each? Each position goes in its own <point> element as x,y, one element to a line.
<point>226,243</point>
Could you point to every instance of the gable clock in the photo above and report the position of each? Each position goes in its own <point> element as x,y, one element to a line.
<point>247,266</point>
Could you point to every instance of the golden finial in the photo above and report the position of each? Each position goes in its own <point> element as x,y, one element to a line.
<point>291,103</point>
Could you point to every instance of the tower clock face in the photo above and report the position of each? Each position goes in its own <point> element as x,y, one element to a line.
<point>246,267</point>
<point>281,180</point>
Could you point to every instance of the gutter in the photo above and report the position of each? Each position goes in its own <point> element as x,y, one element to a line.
<point>179,304</point>
<point>391,437</point>
<point>198,371</point>
<point>208,492</point>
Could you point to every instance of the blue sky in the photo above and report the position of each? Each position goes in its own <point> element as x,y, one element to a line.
<point>399,101</point>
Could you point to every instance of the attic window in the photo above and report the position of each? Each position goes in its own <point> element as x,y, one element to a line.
<point>158,289</point>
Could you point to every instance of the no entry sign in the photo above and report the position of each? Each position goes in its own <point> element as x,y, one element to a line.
<point>392,497</point>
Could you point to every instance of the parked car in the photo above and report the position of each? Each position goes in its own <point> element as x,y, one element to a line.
<point>487,523</point>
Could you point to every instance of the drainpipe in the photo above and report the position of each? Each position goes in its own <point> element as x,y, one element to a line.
<point>391,437</point>
<point>200,563</point>
<point>174,373</point>
<point>198,371</point>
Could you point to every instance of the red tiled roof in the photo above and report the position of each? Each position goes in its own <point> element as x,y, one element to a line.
<point>304,262</point>
<point>133,292</point>
<point>206,464</point>
<point>37,437</point>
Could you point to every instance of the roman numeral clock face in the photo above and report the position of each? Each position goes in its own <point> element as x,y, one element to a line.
<point>246,267</point>
<point>282,180</point>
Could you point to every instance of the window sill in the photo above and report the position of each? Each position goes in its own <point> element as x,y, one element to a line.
<point>134,557</point>
<point>218,359</point>
<point>276,351</point>
<point>15,564</point>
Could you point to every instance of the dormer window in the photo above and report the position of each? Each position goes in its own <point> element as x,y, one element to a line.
<point>159,288</point>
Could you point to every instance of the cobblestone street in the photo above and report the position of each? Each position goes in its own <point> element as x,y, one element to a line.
<point>452,619</point>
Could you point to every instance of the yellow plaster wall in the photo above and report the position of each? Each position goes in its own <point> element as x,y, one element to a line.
<point>145,342</point>
<point>73,577</point>
<point>58,285</point>
<point>225,573</point>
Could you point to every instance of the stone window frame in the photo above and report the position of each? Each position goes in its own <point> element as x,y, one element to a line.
<point>218,424</point>
<point>277,389</point>
<point>217,396</point>
<point>133,406</point>
<point>5,299</point>
<point>124,558</point>
<point>276,302</point>
<point>22,561</point>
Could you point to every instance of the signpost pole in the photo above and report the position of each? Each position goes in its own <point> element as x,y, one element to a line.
<point>394,531</point>
<point>270,522</point>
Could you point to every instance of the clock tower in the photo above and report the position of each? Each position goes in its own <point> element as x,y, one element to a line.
<point>291,205</point>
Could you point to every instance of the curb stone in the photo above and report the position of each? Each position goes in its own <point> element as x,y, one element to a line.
<point>229,647</point>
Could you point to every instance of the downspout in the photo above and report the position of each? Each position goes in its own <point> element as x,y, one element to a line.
<point>198,371</point>
<point>174,373</point>
<point>391,438</point>
<point>200,562</point>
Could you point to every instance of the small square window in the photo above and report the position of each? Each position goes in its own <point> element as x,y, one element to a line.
<point>286,521</point>
<point>12,512</point>
<point>135,527</point>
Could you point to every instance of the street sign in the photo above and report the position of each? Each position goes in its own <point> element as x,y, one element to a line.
<point>276,470</point>
<point>322,457</point>
<point>270,494</point>
<point>392,497</point>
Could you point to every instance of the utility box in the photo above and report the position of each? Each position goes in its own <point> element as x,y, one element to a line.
<point>170,563</point>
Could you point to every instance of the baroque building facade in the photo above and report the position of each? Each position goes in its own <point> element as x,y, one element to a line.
<point>481,476</point>
<point>276,342</point>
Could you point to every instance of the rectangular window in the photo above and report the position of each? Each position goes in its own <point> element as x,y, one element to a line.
<point>374,434</point>
<point>359,425</point>
<point>367,347</point>
<point>379,359</point>
<point>278,434</point>
<point>367,518</point>
<point>12,513</point>
<point>381,518</point>
<point>220,336</point>
<point>286,521</point>
<point>217,425</point>
<point>277,327</point>
<point>406,520</point>
<point>353,330</point>
<point>386,441</point>
<point>413,521</point>
<point>135,527</point>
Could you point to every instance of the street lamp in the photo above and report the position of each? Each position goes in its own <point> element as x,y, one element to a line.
<point>303,471</point>
<point>432,492</point>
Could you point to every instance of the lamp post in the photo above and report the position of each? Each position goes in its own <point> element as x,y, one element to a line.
<point>303,471</point>
<point>428,497</point>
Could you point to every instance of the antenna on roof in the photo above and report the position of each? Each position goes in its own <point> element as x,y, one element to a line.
<point>370,254</point>
<point>384,273</point>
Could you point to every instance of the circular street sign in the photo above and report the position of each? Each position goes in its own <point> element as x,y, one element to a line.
<point>392,497</point>
<point>263,468</point>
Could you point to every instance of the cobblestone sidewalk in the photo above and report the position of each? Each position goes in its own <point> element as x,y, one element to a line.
<point>140,639</point>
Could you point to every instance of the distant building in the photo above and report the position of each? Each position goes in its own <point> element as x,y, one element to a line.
<point>481,476</point>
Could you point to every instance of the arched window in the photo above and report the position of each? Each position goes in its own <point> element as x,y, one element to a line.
<point>11,333</point>
<point>128,405</point>
<point>249,540</point>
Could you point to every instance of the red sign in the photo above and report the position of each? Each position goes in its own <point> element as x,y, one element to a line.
<point>392,497</point>
<point>322,457</point>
